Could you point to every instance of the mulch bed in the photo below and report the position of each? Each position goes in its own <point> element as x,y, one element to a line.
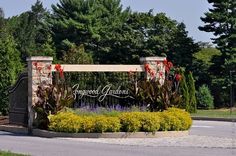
<point>4,120</point>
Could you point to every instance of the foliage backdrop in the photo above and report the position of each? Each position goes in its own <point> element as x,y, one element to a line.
<point>102,31</point>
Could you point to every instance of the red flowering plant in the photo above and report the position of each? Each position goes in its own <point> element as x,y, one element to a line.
<point>52,98</point>
<point>160,90</point>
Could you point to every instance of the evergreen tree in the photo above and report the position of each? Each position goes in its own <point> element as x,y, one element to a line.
<point>77,55</point>
<point>1,13</point>
<point>1,17</point>
<point>182,48</point>
<point>221,21</point>
<point>46,49</point>
<point>86,22</point>
<point>204,98</point>
<point>192,93</point>
<point>31,32</point>
<point>10,67</point>
<point>184,91</point>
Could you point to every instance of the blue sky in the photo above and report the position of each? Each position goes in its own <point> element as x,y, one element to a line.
<point>187,11</point>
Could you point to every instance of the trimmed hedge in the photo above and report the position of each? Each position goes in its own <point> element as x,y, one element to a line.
<point>170,120</point>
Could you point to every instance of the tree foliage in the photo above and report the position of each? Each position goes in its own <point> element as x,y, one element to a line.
<point>10,67</point>
<point>220,20</point>
<point>184,91</point>
<point>203,65</point>
<point>204,98</point>
<point>31,33</point>
<point>182,48</point>
<point>192,93</point>
<point>116,35</point>
<point>86,22</point>
<point>100,32</point>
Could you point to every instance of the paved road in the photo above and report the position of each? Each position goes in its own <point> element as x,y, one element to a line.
<point>214,128</point>
<point>206,139</point>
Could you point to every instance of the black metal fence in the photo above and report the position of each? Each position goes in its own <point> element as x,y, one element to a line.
<point>103,89</point>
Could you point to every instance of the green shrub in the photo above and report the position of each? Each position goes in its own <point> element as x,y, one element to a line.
<point>88,124</point>
<point>130,121</point>
<point>113,124</point>
<point>107,124</point>
<point>101,124</point>
<point>65,122</point>
<point>171,120</point>
<point>204,98</point>
<point>150,122</point>
<point>183,116</point>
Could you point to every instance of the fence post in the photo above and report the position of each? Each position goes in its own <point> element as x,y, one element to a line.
<point>39,72</point>
<point>156,66</point>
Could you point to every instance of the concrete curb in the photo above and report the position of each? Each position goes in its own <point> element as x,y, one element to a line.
<point>50,134</point>
<point>14,129</point>
<point>214,119</point>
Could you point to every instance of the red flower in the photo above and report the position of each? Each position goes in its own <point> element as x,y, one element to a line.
<point>165,62</point>
<point>170,64</point>
<point>58,67</point>
<point>158,62</point>
<point>147,67</point>
<point>35,64</point>
<point>61,73</point>
<point>39,68</point>
<point>49,67</point>
<point>167,69</point>
<point>178,77</point>
<point>161,74</point>
<point>152,74</point>
<point>60,70</point>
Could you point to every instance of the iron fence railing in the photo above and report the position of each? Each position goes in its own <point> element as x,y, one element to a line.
<point>104,89</point>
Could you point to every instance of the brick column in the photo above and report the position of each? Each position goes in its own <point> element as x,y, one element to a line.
<point>156,66</point>
<point>39,72</point>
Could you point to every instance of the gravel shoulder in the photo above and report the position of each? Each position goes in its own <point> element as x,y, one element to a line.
<point>186,141</point>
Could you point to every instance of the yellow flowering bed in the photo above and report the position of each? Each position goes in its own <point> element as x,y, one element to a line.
<point>171,120</point>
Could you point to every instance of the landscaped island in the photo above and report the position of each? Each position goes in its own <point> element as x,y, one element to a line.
<point>171,120</point>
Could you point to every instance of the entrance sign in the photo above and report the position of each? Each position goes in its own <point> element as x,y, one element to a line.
<point>101,92</point>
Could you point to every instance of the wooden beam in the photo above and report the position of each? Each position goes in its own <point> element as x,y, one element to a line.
<point>100,68</point>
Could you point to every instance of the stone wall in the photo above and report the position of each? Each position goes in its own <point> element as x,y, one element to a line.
<point>154,68</point>
<point>39,72</point>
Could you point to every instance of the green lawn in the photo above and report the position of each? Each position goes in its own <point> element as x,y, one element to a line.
<point>218,113</point>
<point>4,153</point>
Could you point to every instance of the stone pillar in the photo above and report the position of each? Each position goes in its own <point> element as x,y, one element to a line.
<point>39,72</point>
<point>154,68</point>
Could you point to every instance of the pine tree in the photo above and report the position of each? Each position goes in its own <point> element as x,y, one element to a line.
<point>221,20</point>
<point>31,32</point>
<point>192,93</point>
<point>182,48</point>
<point>184,91</point>
<point>9,68</point>
<point>86,22</point>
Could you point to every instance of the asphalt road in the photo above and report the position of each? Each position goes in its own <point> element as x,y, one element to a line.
<point>214,128</point>
<point>37,146</point>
